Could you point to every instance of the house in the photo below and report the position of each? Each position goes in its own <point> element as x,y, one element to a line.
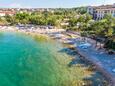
<point>4,13</point>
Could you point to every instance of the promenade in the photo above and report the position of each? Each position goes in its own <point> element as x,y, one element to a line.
<point>102,61</point>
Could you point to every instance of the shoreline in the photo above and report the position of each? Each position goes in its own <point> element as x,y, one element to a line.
<point>97,66</point>
<point>42,32</point>
<point>85,58</point>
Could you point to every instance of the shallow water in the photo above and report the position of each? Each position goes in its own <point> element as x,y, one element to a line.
<point>27,61</point>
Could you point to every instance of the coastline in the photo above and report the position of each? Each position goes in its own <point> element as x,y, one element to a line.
<point>98,66</point>
<point>46,32</point>
<point>89,59</point>
<point>39,32</point>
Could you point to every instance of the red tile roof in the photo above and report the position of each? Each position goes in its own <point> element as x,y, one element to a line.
<point>7,12</point>
<point>106,9</point>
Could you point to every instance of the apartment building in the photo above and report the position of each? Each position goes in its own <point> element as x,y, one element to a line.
<point>98,12</point>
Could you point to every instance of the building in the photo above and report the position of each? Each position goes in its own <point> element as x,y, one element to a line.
<point>98,12</point>
<point>4,13</point>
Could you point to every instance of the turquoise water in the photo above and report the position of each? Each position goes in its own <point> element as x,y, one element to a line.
<point>27,61</point>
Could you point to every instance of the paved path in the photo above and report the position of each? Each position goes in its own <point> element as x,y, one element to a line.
<point>105,63</point>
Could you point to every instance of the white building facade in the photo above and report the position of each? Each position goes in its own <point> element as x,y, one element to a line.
<point>98,12</point>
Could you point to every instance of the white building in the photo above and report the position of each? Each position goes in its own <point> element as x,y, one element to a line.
<point>98,12</point>
<point>2,14</point>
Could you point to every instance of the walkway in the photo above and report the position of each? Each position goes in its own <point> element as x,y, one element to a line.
<point>105,63</point>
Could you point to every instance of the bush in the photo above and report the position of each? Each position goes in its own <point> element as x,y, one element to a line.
<point>110,44</point>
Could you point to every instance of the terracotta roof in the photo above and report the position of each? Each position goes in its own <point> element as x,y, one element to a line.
<point>106,9</point>
<point>7,12</point>
<point>104,6</point>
